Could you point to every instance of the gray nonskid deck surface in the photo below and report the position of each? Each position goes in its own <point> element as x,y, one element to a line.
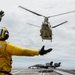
<point>38,72</point>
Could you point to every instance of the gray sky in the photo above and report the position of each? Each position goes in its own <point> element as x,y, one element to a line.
<point>23,35</point>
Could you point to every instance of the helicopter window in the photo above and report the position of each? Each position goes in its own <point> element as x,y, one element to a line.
<point>46,25</point>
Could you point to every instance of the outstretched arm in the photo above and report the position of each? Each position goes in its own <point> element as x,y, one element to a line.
<point>18,51</point>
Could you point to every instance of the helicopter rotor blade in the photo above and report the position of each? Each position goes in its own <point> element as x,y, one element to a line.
<point>59,24</point>
<point>61,14</point>
<point>31,11</point>
<point>33,25</point>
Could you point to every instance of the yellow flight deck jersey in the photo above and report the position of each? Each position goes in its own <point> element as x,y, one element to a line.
<point>7,50</point>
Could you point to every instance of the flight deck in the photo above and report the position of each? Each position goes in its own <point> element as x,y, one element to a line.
<point>39,72</point>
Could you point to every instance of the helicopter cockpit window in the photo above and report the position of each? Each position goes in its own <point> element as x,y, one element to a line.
<point>47,25</point>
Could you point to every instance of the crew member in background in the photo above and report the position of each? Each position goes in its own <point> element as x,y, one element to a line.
<point>7,50</point>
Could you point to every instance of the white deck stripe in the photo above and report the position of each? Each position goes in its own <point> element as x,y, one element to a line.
<point>64,73</point>
<point>16,72</point>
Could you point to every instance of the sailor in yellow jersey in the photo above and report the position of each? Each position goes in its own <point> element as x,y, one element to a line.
<point>7,50</point>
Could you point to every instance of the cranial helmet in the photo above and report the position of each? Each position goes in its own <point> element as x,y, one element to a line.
<point>4,34</point>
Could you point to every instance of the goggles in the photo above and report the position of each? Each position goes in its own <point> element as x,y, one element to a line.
<point>0,32</point>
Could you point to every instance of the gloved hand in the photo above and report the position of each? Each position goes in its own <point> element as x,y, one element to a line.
<point>43,51</point>
<point>1,13</point>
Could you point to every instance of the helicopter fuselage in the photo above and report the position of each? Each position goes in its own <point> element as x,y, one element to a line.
<point>46,31</point>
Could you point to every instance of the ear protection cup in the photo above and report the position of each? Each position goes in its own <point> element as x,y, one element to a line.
<point>6,35</point>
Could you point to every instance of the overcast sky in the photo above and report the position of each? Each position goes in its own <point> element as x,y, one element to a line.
<point>21,34</point>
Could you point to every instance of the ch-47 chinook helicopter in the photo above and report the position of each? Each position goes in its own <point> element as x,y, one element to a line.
<point>46,29</point>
